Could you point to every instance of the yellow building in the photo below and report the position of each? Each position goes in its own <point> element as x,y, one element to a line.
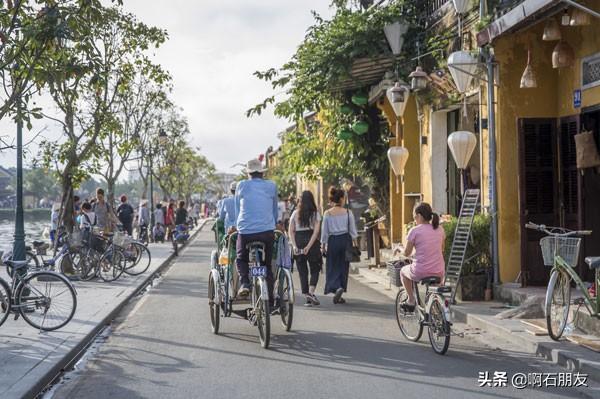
<point>537,177</point>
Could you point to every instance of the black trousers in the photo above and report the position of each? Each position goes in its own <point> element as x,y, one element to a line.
<point>310,263</point>
<point>243,256</point>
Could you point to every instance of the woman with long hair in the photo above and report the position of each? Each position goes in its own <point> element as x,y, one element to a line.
<point>427,239</point>
<point>304,229</point>
<point>337,231</point>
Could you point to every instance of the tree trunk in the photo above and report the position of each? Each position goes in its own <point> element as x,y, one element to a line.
<point>110,188</point>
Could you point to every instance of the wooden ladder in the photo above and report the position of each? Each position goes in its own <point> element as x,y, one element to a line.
<point>461,239</point>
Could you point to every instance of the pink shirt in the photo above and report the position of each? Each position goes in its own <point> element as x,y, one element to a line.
<point>429,260</point>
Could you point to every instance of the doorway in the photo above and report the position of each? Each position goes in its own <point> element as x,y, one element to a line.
<point>549,186</point>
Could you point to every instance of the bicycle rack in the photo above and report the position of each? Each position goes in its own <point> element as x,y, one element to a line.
<point>462,234</point>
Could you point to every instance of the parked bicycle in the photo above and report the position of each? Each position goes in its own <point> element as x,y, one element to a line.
<point>560,250</point>
<point>45,299</point>
<point>433,313</point>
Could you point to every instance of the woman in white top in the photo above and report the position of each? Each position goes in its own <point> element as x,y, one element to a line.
<point>337,231</point>
<point>305,225</point>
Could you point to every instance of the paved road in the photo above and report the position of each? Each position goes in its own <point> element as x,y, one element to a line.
<point>164,349</point>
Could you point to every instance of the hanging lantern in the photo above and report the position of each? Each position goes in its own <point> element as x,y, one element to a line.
<point>360,127</point>
<point>344,134</point>
<point>563,55</point>
<point>461,6</point>
<point>462,66</point>
<point>528,80</point>
<point>418,79</point>
<point>346,109</point>
<point>360,99</point>
<point>398,97</point>
<point>551,31</point>
<point>398,157</point>
<point>394,33</point>
<point>579,18</point>
<point>565,20</point>
<point>462,144</point>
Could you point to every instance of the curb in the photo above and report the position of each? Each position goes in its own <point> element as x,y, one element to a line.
<point>563,353</point>
<point>77,351</point>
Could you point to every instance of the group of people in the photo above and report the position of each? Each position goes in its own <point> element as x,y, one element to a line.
<point>99,213</point>
<point>253,211</point>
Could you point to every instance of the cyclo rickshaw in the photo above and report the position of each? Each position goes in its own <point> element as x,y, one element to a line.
<point>224,282</point>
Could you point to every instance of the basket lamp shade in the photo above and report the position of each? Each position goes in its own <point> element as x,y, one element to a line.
<point>579,18</point>
<point>418,79</point>
<point>551,31</point>
<point>398,156</point>
<point>462,143</point>
<point>462,66</point>
<point>562,55</point>
<point>528,79</point>
<point>394,33</point>
<point>461,6</point>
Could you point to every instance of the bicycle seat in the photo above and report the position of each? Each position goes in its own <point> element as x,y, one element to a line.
<point>16,264</point>
<point>38,243</point>
<point>432,280</point>
<point>593,262</point>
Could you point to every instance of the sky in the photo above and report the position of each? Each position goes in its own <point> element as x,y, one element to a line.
<point>212,51</point>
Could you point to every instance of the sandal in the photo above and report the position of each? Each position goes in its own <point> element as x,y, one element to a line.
<point>407,308</point>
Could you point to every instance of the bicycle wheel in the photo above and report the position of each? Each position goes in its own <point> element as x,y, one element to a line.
<point>558,301</point>
<point>111,264</point>
<point>409,323</point>
<point>284,292</point>
<point>71,262</point>
<point>263,321</point>
<point>439,328</point>
<point>137,259</point>
<point>89,264</point>
<point>32,263</point>
<point>46,300</point>
<point>5,301</point>
<point>215,308</point>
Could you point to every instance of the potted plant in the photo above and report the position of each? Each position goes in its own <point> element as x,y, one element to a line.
<point>477,265</point>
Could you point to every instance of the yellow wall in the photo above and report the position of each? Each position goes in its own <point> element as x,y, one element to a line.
<point>552,98</point>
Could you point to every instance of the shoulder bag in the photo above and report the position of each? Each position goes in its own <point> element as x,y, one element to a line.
<point>352,252</point>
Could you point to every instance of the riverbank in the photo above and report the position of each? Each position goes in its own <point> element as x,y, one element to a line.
<point>8,214</point>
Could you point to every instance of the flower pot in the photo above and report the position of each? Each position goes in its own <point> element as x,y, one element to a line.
<point>472,287</point>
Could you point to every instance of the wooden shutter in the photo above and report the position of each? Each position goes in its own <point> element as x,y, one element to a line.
<point>538,138</point>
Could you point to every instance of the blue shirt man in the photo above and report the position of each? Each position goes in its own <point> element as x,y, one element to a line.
<point>256,216</point>
<point>256,206</point>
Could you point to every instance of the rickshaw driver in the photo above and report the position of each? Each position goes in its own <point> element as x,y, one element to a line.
<point>256,217</point>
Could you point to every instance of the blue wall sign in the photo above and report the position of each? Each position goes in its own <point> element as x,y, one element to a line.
<point>577,98</point>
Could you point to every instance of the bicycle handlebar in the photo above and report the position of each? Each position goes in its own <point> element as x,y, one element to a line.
<point>552,230</point>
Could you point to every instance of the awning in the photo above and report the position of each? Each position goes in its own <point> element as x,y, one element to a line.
<point>366,72</point>
<point>526,14</point>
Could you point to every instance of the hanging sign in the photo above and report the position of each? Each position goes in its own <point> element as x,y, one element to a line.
<point>577,98</point>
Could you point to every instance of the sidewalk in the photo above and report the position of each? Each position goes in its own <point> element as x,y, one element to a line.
<point>30,360</point>
<point>481,315</point>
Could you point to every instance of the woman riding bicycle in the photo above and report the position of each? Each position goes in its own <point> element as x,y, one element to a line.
<point>428,240</point>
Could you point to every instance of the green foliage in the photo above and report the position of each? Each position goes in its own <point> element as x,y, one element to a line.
<point>478,257</point>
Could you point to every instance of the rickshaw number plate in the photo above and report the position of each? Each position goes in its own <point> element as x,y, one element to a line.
<point>258,271</point>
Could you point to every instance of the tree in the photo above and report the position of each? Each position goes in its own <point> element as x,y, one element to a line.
<point>85,82</point>
<point>41,182</point>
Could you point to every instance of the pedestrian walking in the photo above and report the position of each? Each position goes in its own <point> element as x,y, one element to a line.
<point>170,218</point>
<point>54,215</point>
<point>338,233</point>
<point>305,226</point>
<point>143,220</point>
<point>158,230</point>
<point>125,214</point>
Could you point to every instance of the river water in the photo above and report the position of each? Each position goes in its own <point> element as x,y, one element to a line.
<point>34,227</point>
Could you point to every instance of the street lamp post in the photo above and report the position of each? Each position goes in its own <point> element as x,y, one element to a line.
<point>19,236</point>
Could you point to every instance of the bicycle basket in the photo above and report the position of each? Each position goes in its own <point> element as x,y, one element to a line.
<point>76,238</point>
<point>121,240</point>
<point>565,247</point>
